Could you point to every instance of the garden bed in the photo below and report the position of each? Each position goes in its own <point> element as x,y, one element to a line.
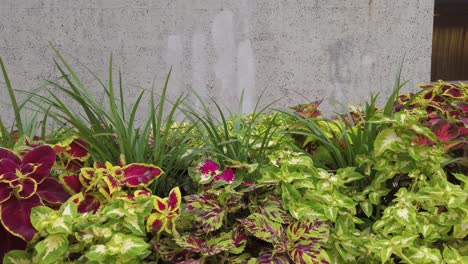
<point>375,185</point>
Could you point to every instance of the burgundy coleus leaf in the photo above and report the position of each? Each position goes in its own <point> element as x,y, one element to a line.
<point>445,131</point>
<point>426,86</point>
<point>25,188</point>
<point>51,191</point>
<point>14,215</point>
<point>7,154</point>
<point>10,242</point>
<point>38,162</point>
<point>454,92</point>
<point>137,174</point>
<point>463,107</point>
<point>71,182</point>
<point>5,191</point>
<point>88,204</point>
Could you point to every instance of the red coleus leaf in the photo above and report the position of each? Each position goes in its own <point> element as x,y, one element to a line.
<point>78,149</point>
<point>174,199</point>
<point>227,175</point>
<point>14,215</point>
<point>453,92</point>
<point>88,204</point>
<point>422,140</point>
<point>445,131</point>
<point>51,191</point>
<point>137,174</point>
<point>38,162</point>
<point>71,182</point>
<point>208,167</point>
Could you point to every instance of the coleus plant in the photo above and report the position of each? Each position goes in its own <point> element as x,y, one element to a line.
<point>26,183</point>
<point>239,223</point>
<point>446,107</point>
<point>72,154</point>
<point>114,234</point>
<point>97,185</point>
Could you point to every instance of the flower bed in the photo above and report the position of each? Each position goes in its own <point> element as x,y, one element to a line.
<point>370,186</point>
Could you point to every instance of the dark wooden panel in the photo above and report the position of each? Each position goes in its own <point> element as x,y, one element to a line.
<point>450,43</point>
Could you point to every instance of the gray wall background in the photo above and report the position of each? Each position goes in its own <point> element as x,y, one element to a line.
<point>339,50</point>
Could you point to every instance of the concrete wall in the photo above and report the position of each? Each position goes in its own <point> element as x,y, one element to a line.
<point>339,50</point>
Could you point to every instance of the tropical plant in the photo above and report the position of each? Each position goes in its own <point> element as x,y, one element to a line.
<point>112,131</point>
<point>235,222</point>
<point>24,184</point>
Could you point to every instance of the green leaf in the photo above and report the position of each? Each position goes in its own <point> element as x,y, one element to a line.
<point>367,207</point>
<point>424,255</point>
<point>52,248</point>
<point>385,140</point>
<point>17,257</point>
<point>40,217</point>
<point>128,246</point>
<point>97,253</point>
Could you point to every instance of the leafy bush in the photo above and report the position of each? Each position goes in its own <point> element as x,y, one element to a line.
<point>369,186</point>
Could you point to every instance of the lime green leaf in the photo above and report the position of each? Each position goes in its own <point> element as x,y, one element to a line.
<point>97,253</point>
<point>367,207</point>
<point>40,217</point>
<point>52,248</point>
<point>385,140</point>
<point>17,257</point>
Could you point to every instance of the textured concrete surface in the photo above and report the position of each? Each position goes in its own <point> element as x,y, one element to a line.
<point>298,50</point>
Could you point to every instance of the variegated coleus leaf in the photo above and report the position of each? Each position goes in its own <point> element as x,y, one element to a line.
<point>127,248</point>
<point>52,249</point>
<point>72,154</point>
<point>306,239</point>
<point>222,242</point>
<point>263,228</point>
<point>273,209</point>
<point>17,257</point>
<point>308,230</point>
<point>267,256</point>
<point>208,211</point>
<point>208,172</point>
<point>239,237</point>
<point>170,251</point>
